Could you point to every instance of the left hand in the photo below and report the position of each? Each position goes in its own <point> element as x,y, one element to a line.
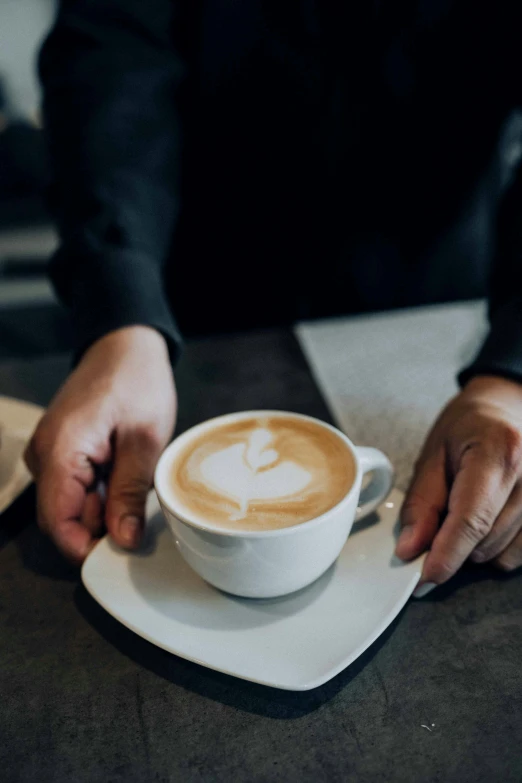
<point>465,499</point>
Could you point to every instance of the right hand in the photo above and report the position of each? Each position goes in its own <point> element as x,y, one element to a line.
<point>115,413</point>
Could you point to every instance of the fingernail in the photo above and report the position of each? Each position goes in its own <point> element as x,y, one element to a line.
<point>424,589</point>
<point>130,530</point>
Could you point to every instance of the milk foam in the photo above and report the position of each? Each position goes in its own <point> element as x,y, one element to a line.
<point>262,473</point>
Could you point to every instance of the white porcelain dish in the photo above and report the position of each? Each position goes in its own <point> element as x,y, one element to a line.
<point>296,642</point>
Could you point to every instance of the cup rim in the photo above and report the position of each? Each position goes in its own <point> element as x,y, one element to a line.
<point>178,442</point>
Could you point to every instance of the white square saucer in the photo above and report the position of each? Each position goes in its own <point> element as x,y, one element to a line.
<point>296,642</point>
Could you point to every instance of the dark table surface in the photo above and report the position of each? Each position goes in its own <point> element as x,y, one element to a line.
<point>84,699</point>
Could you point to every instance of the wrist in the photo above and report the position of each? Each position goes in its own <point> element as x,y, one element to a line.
<point>488,386</point>
<point>130,336</point>
<point>144,343</point>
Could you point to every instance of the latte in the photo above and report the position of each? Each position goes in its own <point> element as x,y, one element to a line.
<point>261,473</point>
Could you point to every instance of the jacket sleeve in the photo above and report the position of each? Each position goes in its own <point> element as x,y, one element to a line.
<point>110,76</point>
<point>501,353</point>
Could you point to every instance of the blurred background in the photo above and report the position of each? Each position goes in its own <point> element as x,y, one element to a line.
<point>31,320</point>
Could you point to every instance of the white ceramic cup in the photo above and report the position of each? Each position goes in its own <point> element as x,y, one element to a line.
<point>269,563</point>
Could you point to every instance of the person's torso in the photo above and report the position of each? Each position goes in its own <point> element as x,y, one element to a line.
<point>328,153</point>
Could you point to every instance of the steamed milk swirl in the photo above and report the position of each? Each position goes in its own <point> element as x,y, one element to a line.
<point>262,473</point>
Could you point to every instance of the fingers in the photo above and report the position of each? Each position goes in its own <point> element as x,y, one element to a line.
<point>480,490</point>
<point>504,531</point>
<point>63,473</point>
<point>423,507</point>
<point>136,454</point>
<point>92,513</point>
<point>73,540</point>
<point>60,504</point>
<point>511,557</point>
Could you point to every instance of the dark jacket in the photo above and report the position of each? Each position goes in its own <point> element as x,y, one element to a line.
<point>246,163</point>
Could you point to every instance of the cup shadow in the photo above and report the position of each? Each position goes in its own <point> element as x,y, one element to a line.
<point>366,522</point>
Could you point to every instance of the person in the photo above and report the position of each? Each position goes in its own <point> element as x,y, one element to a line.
<point>221,161</point>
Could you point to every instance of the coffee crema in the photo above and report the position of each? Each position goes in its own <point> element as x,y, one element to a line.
<point>261,473</point>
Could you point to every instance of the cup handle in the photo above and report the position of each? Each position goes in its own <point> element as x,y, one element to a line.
<point>373,460</point>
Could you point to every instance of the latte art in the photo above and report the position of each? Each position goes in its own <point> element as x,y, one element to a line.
<point>247,472</point>
<point>258,474</point>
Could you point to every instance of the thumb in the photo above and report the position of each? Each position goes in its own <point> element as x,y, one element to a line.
<point>423,507</point>
<point>136,454</point>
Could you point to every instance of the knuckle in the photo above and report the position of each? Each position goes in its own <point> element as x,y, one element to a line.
<point>481,554</point>
<point>440,571</point>
<point>512,449</point>
<point>51,447</point>
<point>132,491</point>
<point>78,462</point>
<point>477,526</point>
<point>50,437</point>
